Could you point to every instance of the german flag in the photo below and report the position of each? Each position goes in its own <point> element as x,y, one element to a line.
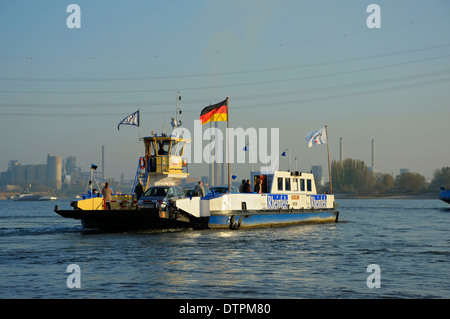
<point>214,113</point>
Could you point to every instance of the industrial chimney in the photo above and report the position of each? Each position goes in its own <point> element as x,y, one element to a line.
<point>373,155</point>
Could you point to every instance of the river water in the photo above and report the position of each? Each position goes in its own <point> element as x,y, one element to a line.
<point>409,241</point>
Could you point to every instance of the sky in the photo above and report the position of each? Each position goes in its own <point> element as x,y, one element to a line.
<point>292,65</point>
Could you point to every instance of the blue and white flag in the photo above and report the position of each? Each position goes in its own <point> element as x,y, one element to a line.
<point>317,137</point>
<point>132,119</point>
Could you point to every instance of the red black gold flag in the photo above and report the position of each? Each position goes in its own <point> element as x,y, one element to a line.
<point>216,112</point>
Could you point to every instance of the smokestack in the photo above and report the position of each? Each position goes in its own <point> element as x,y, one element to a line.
<point>341,156</point>
<point>373,155</point>
<point>103,161</point>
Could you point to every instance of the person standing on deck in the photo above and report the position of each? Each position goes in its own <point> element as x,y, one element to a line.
<point>107,193</point>
<point>241,188</point>
<point>199,190</point>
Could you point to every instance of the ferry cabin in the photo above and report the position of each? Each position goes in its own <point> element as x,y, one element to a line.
<point>281,192</point>
<point>163,163</point>
<point>285,182</point>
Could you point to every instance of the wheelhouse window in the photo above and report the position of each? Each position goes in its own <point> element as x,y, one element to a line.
<point>302,185</point>
<point>151,148</point>
<point>295,184</point>
<point>163,147</point>
<point>177,148</point>
<point>308,185</point>
<point>280,183</point>
<point>287,184</point>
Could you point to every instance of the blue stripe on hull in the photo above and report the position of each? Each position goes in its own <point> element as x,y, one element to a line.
<point>250,220</point>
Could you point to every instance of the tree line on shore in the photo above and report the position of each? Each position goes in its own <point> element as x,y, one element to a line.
<point>353,176</point>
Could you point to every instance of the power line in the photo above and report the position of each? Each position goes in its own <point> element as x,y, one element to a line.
<point>217,51</point>
<point>224,86</point>
<point>237,99</point>
<point>181,76</point>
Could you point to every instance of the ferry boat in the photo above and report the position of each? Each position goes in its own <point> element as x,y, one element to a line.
<point>48,198</point>
<point>287,198</point>
<point>444,194</point>
<point>27,197</point>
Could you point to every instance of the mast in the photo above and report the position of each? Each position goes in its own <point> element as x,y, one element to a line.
<point>329,169</point>
<point>228,141</point>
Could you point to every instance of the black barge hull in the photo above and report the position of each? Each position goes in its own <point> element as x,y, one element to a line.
<point>132,219</point>
<point>152,218</point>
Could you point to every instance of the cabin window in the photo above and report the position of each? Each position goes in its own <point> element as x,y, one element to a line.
<point>163,147</point>
<point>280,183</point>
<point>302,185</point>
<point>152,149</point>
<point>177,148</point>
<point>287,186</point>
<point>295,184</point>
<point>308,185</point>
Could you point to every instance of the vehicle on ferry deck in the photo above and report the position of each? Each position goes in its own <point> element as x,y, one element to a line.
<point>160,196</point>
<point>190,191</point>
<point>224,189</point>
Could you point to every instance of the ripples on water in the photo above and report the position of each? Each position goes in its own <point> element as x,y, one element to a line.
<point>408,239</point>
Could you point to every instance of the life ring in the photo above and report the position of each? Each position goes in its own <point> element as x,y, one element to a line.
<point>142,162</point>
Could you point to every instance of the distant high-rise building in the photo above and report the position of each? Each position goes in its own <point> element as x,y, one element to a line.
<point>42,174</point>
<point>54,169</point>
<point>318,176</point>
<point>373,156</point>
<point>71,165</point>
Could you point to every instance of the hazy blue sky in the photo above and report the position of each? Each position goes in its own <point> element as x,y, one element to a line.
<point>293,65</point>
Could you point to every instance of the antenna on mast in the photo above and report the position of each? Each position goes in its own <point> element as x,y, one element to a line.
<point>176,122</point>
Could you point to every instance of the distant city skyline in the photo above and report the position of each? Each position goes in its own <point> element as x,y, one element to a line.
<point>291,65</point>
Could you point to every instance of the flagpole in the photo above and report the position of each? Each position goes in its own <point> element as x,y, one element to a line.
<point>329,168</point>
<point>139,132</point>
<point>228,141</point>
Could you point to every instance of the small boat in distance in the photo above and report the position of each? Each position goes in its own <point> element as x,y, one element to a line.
<point>444,195</point>
<point>33,197</point>
<point>48,198</point>
<point>27,197</point>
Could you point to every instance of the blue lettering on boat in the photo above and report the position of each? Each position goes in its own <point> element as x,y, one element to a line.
<point>277,201</point>
<point>319,201</point>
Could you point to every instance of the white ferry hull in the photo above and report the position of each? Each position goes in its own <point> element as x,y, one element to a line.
<point>243,220</point>
<point>240,211</point>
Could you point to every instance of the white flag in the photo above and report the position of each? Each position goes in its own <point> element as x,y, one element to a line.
<point>317,137</point>
<point>132,119</point>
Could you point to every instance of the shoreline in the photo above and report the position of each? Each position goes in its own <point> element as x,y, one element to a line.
<point>8,195</point>
<point>393,196</point>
